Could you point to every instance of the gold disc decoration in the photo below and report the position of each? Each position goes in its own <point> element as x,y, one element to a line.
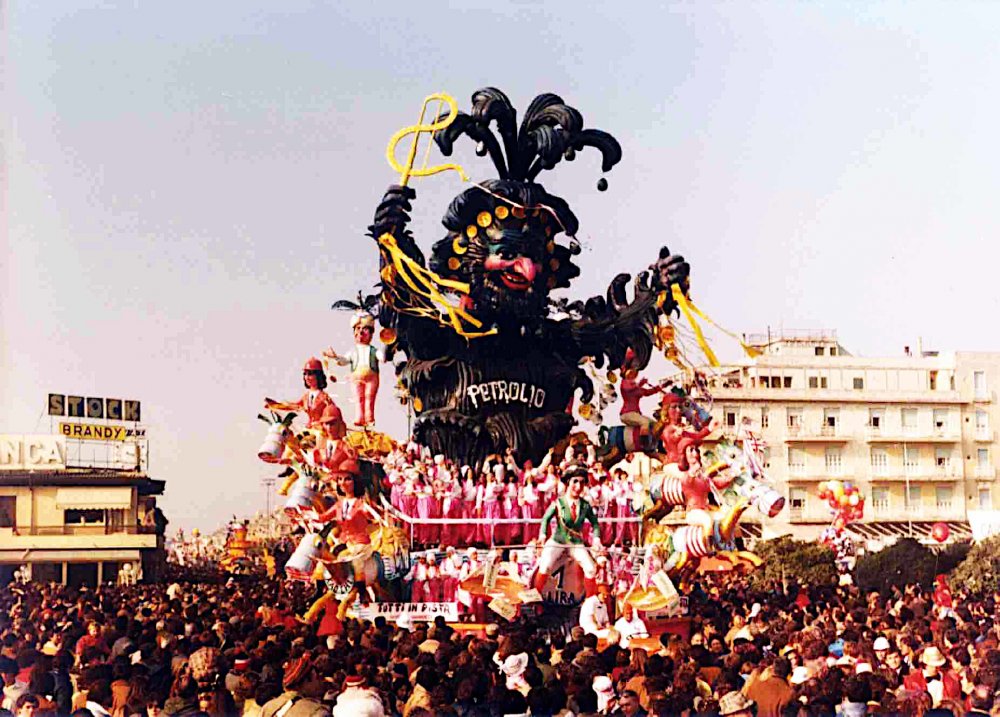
<point>502,212</point>
<point>484,219</point>
<point>458,246</point>
<point>612,377</point>
<point>387,336</point>
<point>471,231</point>
<point>418,405</point>
<point>586,410</point>
<point>518,212</point>
<point>454,263</point>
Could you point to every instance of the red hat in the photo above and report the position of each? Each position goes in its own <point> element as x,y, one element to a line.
<point>629,358</point>
<point>669,397</point>
<point>295,670</point>
<point>343,460</point>
<point>313,364</point>
<point>241,663</point>
<point>332,416</point>
<point>354,681</point>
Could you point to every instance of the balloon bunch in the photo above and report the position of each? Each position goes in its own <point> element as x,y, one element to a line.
<point>845,500</point>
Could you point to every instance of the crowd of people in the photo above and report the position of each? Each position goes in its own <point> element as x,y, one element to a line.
<point>240,648</point>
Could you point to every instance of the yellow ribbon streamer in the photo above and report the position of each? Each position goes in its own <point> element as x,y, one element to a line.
<point>685,307</point>
<point>428,285</point>
<point>689,310</point>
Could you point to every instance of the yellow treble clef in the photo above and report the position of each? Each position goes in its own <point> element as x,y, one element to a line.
<point>406,171</point>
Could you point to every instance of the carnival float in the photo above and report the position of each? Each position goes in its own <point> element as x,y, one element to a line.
<point>498,483</point>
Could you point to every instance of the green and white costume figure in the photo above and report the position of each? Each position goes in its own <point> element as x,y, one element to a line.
<point>570,511</point>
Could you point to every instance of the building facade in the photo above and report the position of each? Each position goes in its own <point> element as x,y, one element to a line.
<point>74,525</point>
<point>916,432</point>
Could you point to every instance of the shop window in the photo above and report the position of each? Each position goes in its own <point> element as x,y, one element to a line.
<point>76,516</point>
<point>8,511</point>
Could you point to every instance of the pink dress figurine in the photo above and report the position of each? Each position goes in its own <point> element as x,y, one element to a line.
<point>363,360</point>
<point>492,511</point>
<point>512,511</point>
<point>468,506</point>
<point>531,504</point>
<point>409,498</point>
<point>626,533</point>
<point>435,580</point>
<point>427,507</point>
<point>451,569</point>
<point>451,508</point>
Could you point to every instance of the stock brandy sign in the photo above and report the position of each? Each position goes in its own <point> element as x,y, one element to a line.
<point>113,409</point>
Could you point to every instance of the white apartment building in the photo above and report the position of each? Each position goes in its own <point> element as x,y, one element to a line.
<point>916,432</point>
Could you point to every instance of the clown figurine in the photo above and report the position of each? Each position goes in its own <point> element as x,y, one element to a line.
<point>570,512</point>
<point>363,360</point>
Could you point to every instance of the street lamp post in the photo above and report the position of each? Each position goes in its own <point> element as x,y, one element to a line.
<point>268,484</point>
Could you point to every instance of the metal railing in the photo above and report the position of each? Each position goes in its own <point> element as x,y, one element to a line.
<point>85,529</point>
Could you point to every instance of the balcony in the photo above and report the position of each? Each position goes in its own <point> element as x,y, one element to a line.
<point>988,472</point>
<point>984,434</point>
<point>910,434</point>
<point>834,395</point>
<point>917,511</point>
<point>87,529</point>
<point>913,475</point>
<point>816,434</point>
<point>77,537</point>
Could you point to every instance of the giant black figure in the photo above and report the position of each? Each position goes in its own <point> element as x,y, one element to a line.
<point>512,384</point>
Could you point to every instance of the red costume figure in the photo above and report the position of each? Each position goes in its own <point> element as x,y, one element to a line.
<point>942,593</point>
<point>417,577</point>
<point>633,390</point>
<point>363,360</point>
<point>673,431</point>
<point>316,402</point>
<point>351,518</point>
<point>435,580</point>
<point>697,486</point>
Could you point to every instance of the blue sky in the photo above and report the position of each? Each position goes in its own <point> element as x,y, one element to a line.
<point>186,185</point>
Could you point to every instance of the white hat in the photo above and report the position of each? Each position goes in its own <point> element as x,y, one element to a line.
<point>602,683</point>
<point>932,657</point>
<point>404,622</point>
<point>881,643</point>
<point>514,665</point>
<point>799,675</point>
<point>755,610</point>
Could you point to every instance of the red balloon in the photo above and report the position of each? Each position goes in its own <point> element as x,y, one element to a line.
<point>940,532</point>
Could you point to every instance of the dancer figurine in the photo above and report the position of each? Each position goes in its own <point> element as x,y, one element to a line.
<point>633,390</point>
<point>316,402</point>
<point>363,360</point>
<point>570,511</point>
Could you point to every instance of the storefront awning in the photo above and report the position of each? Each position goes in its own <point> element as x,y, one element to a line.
<point>94,498</point>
